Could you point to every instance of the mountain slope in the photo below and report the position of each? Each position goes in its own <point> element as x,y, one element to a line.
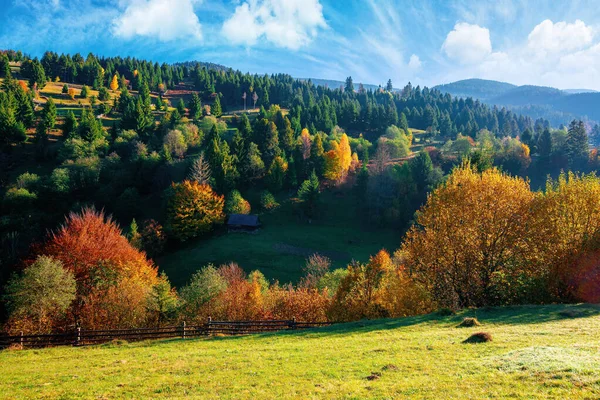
<point>482,89</point>
<point>558,106</point>
<point>537,352</point>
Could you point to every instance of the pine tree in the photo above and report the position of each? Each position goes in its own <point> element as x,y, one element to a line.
<point>309,194</point>
<point>215,109</point>
<point>195,106</point>
<point>389,87</point>
<point>4,66</point>
<point>181,107</point>
<point>349,85</point>
<point>70,125</point>
<point>84,92</point>
<point>577,145</point>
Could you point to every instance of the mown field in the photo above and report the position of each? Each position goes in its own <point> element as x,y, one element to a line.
<point>537,352</point>
<point>279,249</point>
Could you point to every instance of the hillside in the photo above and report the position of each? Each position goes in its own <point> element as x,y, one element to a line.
<point>537,352</point>
<point>477,88</point>
<point>558,106</point>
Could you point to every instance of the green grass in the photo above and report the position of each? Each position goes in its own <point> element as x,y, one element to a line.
<point>280,247</point>
<point>536,354</point>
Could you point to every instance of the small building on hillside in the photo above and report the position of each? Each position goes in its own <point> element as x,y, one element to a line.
<point>243,223</point>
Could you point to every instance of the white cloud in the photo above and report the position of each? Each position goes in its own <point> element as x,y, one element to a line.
<point>415,62</point>
<point>548,37</point>
<point>467,44</point>
<point>286,23</point>
<point>164,19</point>
<point>560,54</point>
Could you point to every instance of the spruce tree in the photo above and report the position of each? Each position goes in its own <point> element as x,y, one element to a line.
<point>215,109</point>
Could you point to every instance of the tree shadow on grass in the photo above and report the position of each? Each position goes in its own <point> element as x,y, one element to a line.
<point>512,315</point>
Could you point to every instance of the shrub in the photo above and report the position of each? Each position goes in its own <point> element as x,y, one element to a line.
<point>40,296</point>
<point>267,201</point>
<point>236,204</point>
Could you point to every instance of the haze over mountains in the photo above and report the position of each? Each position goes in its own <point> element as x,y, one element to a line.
<point>558,106</point>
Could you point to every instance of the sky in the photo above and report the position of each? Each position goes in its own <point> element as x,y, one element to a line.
<point>427,42</point>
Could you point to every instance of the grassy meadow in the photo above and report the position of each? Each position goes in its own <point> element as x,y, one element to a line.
<point>280,247</point>
<point>537,352</point>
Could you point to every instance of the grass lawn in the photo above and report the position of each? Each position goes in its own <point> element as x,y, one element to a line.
<point>280,247</point>
<point>536,353</point>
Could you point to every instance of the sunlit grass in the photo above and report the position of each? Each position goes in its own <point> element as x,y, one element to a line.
<point>536,353</point>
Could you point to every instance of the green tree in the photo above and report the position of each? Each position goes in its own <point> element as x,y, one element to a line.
<point>577,145</point>
<point>181,107</point>
<point>195,106</point>
<point>349,85</point>
<point>205,286</point>
<point>163,300</point>
<point>42,294</point>
<point>85,91</point>
<point>309,194</point>
<point>216,109</point>
<point>4,66</point>
<point>70,125</point>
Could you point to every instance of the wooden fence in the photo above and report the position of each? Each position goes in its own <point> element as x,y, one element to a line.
<point>80,337</point>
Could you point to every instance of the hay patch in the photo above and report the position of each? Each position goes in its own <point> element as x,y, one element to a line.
<point>468,323</point>
<point>479,337</point>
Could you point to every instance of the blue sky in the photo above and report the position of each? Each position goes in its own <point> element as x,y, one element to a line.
<point>552,43</point>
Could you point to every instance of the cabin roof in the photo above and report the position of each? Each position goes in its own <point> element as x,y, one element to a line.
<point>243,220</point>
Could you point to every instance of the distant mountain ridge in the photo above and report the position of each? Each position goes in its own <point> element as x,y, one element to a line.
<point>333,84</point>
<point>558,106</point>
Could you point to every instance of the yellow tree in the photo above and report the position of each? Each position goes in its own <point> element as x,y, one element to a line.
<point>114,84</point>
<point>193,209</point>
<point>570,213</point>
<point>473,237</point>
<point>333,163</point>
<point>345,154</point>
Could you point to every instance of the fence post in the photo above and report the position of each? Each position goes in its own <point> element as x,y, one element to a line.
<point>294,323</point>
<point>183,330</point>
<point>78,337</point>
<point>208,326</point>
<point>21,339</point>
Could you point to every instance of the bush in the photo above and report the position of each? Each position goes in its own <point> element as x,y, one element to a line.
<point>236,204</point>
<point>267,201</point>
<point>40,296</point>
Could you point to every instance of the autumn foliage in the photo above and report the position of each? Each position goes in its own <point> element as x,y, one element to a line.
<point>486,239</point>
<point>193,209</point>
<point>113,278</point>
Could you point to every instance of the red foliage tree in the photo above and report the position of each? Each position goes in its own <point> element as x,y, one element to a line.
<point>103,261</point>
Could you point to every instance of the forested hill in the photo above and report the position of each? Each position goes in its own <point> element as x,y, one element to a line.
<point>481,89</point>
<point>557,106</point>
<point>315,107</point>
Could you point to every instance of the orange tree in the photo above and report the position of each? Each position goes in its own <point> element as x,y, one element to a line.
<point>113,278</point>
<point>193,209</point>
